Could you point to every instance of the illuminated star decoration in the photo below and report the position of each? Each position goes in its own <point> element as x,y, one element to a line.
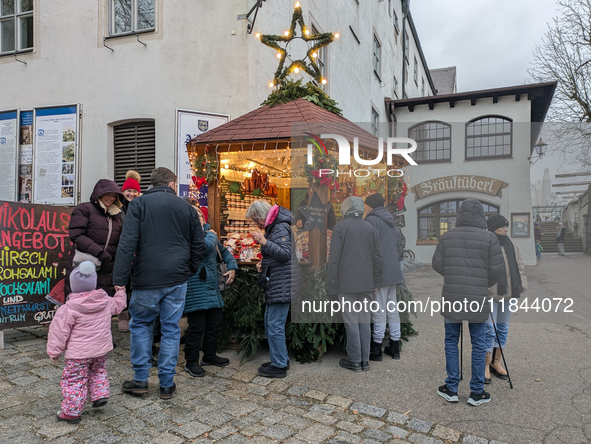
<point>315,213</point>
<point>308,63</point>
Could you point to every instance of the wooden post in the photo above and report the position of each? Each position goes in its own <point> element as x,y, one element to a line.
<point>317,240</point>
<point>1,339</point>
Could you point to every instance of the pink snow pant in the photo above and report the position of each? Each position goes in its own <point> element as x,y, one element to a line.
<point>80,377</point>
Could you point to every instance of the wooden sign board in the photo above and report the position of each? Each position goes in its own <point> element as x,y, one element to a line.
<point>34,245</point>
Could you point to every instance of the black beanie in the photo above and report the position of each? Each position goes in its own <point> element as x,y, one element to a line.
<point>375,200</point>
<point>496,221</point>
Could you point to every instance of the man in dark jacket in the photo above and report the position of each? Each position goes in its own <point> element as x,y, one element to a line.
<point>470,260</point>
<point>383,221</point>
<point>354,273</point>
<point>161,247</point>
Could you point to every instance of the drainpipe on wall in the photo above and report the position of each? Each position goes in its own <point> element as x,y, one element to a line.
<point>405,9</point>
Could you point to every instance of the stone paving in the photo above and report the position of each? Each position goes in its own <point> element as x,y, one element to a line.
<point>225,406</point>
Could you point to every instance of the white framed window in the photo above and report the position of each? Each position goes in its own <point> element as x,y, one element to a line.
<point>422,87</point>
<point>16,26</point>
<point>416,75</point>
<point>377,56</point>
<point>375,119</point>
<point>395,87</point>
<point>131,16</point>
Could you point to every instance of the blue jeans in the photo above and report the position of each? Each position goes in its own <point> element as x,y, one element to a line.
<point>275,318</point>
<point>144,306</point>
<point>452,355</point>
<point>501,315</point>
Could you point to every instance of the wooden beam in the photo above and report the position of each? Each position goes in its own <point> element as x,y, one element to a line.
<point>588,173</point>
<point>473,101</point>
<point>411,108</point>
<point>517,97</point>
<point>572,184</point>
<point>452,103</point>
<point>495,99</point>
<point>431,105</point>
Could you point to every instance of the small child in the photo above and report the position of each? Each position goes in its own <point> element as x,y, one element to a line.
<point>82,328</point>
<point>539,250</point>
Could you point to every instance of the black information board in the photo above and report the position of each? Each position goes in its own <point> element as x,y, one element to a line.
<point>34,245</point>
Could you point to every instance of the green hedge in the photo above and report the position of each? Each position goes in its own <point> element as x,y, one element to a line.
<point>244,317</point>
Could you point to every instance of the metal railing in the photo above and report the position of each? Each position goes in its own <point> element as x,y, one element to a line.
<point>548,212</point>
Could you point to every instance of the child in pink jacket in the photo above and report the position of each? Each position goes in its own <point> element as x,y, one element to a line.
<point>82,328</point>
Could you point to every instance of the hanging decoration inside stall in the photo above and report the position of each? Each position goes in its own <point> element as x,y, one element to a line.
<point>315,213</point>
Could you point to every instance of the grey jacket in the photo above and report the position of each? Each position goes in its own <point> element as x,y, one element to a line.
<point>383,221</point>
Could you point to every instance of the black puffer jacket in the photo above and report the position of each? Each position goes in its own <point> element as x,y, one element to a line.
<point>280,274</point>
<point>470,260</point>
<point>355,263</point>
<point>89,229</point>
<point>163,239</point>
<point>383,221</point>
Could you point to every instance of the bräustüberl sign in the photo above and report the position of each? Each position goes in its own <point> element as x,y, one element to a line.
<point>480,184</point>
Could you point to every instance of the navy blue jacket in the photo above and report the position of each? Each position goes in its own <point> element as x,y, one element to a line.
<point>203,292</point>
<point>280,273</point>
<point>383,221</point>
<point>162,238</point>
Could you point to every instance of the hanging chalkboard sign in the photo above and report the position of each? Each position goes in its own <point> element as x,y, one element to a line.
<point>34,245</point>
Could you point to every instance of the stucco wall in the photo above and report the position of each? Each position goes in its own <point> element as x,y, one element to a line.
<point>192,61</point>
<point>515,198</point>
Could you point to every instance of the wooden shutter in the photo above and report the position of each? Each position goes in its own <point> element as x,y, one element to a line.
<point>135,149</point>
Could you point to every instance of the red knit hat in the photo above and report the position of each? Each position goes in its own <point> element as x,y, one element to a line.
<point>132,181</point>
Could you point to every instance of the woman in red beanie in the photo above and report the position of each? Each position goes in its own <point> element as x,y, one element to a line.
<point>130,189</point>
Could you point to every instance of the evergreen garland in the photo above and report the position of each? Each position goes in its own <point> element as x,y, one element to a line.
<point>291,90</point>
<point>206,166</point>
<point>244,311</point>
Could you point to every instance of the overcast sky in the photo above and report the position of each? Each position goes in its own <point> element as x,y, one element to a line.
<point>489,41</point>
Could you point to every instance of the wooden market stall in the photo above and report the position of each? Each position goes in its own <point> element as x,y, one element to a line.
<point>264,154</point>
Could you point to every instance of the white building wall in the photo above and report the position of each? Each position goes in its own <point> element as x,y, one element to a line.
<point>515,198</point>
<point>194,60</point>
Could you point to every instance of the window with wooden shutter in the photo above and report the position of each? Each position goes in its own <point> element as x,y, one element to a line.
<point>135,149</point>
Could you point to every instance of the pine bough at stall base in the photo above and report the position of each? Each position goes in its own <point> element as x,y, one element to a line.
<point>244,318</point>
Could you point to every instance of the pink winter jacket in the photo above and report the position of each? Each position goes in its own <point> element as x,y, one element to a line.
<point>82,326</point>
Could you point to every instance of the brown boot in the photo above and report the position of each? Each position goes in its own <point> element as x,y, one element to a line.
<point>487,379</point>
<point>496,367</point>
<point>123,324</point>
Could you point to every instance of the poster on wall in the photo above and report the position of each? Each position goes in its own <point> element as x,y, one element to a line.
<point>34,245</point>
<point>25,169</point>
<point>54,155</point>
<point>190,124</point>
<point>8,155</point>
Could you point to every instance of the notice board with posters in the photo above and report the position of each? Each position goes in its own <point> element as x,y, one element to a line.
<point>190,124</point>
<point>8,154</point>
<point>34,245</point>
<point>55,153</point>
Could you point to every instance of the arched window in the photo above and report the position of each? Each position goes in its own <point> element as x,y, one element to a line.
<point>489,137</point>
<point>433,142</point>
<point>437,218</point>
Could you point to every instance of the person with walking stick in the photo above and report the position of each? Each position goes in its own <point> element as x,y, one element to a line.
<point>510,285</point>
<point>470,260</point>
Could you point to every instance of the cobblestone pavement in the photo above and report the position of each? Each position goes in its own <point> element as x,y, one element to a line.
<point>225,406</point>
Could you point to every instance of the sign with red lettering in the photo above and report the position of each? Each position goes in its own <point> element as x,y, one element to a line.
<point>34,245</point>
